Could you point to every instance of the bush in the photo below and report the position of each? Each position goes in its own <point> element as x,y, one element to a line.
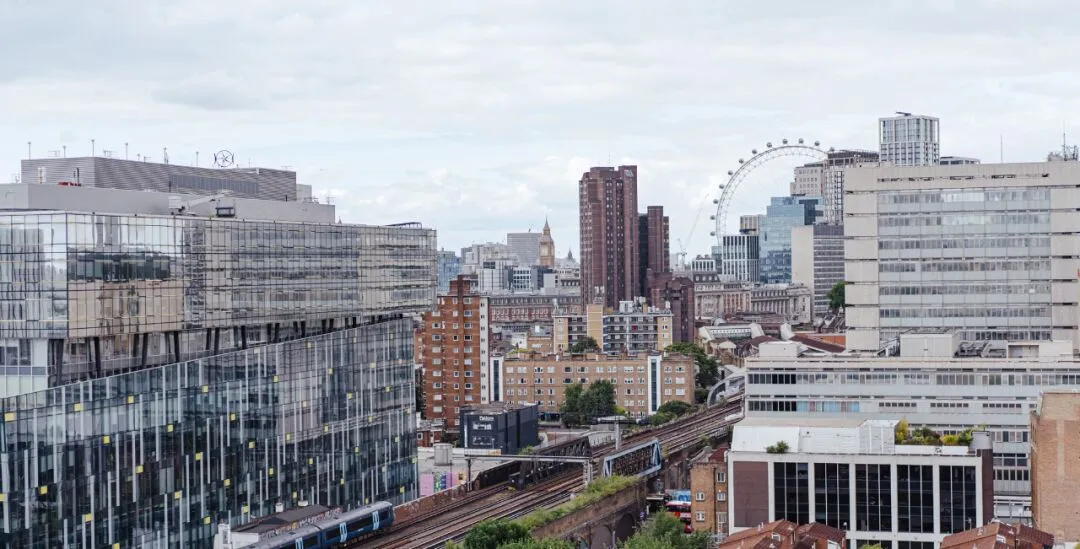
<point>597,490</point>
<point>659,418</point>
<point>778,448</point>
<point>676,408</point>
<point>492,534</point>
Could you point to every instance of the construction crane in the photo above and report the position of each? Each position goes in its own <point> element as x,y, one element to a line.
<point>179,206</point>
<point>680,256</point>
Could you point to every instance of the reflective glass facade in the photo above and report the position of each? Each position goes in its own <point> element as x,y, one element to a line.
<point>162,455</point>
<point>781,215</point>
<point>164,374</point>
<point>90,283</point>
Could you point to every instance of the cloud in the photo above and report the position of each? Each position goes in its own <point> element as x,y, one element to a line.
<point>478,117</point>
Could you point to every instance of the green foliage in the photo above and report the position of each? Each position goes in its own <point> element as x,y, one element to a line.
<point>675,408</point>
<point>660,418</point>
<point>492,534</point>
<point>546,543</point>
<point>581,404</point>
<point>925,436</point>
<point>778,448</point>
<point>903,431</point>
<point>584,345</point>
<point>708,369</point>
<point>701,394</point>
<point>526,451</point>
<point>663,531</point>
<point>597,490</point>
<point>570,411</point>
<point>868,546</point>
<point>837,297</point>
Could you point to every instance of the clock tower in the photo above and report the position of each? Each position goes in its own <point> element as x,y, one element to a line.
<point>547,247</point>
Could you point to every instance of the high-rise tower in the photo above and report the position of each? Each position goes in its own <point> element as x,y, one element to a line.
<point>609,234</point>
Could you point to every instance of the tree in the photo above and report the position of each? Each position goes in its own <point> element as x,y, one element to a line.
<point>659,418</point>
<point>708,369</point>
<point>675,408</point>
<point>663,531</point>
<point>580,404</point>
<point>836,296</point>
<point>584,345</point>
<point>598,400</point>
<point>570,411</point>
<point>492,534</point>
<point>546,543</point>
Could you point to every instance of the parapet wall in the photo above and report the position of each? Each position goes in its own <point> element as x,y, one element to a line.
<point>427,504</point>
<point>605,511</point>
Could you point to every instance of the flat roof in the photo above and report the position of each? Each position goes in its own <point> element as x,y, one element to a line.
<point>808,422</point>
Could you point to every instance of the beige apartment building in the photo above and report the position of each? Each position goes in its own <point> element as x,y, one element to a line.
<point>643,382</point>
<point>634,328</point>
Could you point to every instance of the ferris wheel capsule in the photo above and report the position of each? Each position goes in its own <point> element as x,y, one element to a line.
<point>753,151</point>
<point>730,173</point>
<point>800,141</point>
<point>784,141</point>
<point>741,161</point>
<point>716,201</point>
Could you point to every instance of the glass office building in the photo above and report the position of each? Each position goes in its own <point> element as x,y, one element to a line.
<point>164,374</point>
<point>782,214</point>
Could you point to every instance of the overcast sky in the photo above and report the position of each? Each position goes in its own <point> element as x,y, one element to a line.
<point>477,117</point>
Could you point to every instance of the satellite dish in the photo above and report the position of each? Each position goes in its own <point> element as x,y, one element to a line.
<point>224,159</point>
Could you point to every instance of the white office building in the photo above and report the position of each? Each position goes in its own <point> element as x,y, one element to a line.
<point>851,475</point>
<point>909,140</point>
<point>989,250</point>
<point>937,381</point>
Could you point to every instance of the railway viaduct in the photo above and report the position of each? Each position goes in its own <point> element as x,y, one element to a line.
<point>601,526</point>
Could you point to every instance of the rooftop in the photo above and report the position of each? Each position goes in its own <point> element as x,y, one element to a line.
<point>831,436</point>
<point>998,535</point>
<point>270,523</point>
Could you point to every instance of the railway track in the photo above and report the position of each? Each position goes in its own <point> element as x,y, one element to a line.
<point>456,523</point>
<point>434,528</point>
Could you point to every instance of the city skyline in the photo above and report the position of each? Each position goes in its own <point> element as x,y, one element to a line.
<point>493,111</point>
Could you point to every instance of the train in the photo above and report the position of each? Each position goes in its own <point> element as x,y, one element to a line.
<point>335,531</point>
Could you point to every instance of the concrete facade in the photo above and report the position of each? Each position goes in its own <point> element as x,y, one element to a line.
<point>114,173</point>
<point>991,250</point>
<point>876,491</point>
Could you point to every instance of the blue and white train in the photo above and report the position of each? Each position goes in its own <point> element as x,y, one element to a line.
<point>334,532</point>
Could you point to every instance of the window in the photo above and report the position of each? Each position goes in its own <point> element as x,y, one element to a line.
<point>701,496</point>
<point>958,498</point>
<point>833,494</point>
<point>791,492</point>
<point>873,498</point>
<point>721,522</point>
<point>915,498</point>
<point>700,516</point>
<point>721,477</point>
<point>721,495</point>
